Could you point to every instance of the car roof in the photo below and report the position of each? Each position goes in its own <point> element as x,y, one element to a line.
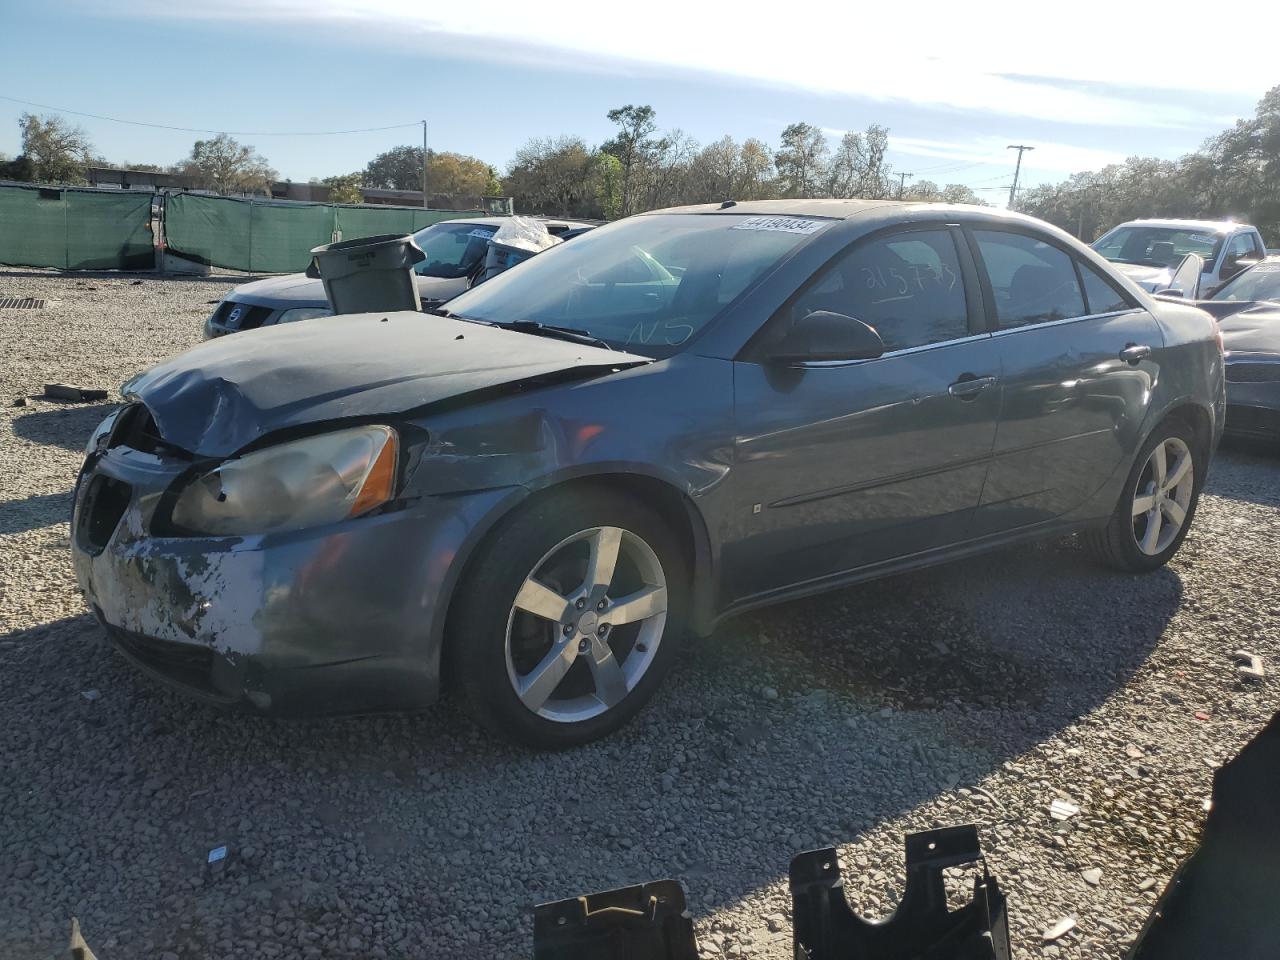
<point>1217,226</point>
<point>873,213</point>
<point>499,221</point>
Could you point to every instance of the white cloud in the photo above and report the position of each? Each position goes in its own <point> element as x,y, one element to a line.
<point>1047,157</point>
<point>932,53</point>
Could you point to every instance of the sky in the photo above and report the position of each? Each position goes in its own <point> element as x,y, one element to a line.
<point>1086,84</point>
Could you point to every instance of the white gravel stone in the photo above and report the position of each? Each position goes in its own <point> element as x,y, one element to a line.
<point>1053,666</point>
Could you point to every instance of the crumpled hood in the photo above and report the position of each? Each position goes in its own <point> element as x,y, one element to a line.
<point>1148,278</point>
<point>224,394</point>
<point>299,290</point>
<point>1255,331</point>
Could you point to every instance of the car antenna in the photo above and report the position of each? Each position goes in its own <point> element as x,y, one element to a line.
<point>728,203</point>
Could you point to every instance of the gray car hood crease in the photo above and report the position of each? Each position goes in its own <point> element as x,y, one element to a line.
<point>1255,330</point>
<point>219,397</point>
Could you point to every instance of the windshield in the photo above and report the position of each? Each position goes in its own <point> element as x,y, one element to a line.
<point>1157,246</point>
<point>646,284</point>
<point>1260,283</point>
<point>453,249</point>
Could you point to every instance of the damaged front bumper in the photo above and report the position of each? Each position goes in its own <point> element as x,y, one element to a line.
<point>345,618</point>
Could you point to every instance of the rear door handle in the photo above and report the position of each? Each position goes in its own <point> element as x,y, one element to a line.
<point>1135,352</point>
<point>968,386</point>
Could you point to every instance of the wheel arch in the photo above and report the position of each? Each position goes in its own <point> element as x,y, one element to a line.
<point>1196,415</point>
<point>672,503</point>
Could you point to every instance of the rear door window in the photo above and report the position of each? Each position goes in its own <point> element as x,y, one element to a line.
<point>1100,295</point>
<point>1032,281</point>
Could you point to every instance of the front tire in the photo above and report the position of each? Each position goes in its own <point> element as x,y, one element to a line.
<point>1157,504</point>
<point>569,619</point>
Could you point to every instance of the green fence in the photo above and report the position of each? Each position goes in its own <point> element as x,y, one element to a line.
<point>265,236</point>
<point>75,229</point>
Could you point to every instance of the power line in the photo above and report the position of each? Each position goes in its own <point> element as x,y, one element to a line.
<point>238,133</point>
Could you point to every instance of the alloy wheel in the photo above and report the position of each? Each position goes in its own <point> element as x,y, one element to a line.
<point>585,624</point>
<point>1162,496</point>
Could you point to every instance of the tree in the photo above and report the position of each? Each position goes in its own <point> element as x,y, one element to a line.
<point>633,147</point>
<point>665,171</point>
<point>225,165</point>
<point>450,174</point>
<point>344,188</point>
<point>20,168</point>
<point>801,160</point>
<point>553,177</point>
<point>457,175</point>
<point>399,168</point>
<point>926,191</point>
<point>606,178</point>
<point>715,173</point>
<point>492,185</point>
<point>755,171</point>
<point>58,151</point>
<point>1234,174</point>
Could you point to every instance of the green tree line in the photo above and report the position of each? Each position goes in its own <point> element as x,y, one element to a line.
<point>1235,174</point>
<point>643,168</point>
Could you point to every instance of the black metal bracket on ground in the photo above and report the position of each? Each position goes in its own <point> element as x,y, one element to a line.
<point>922,928</point>
<point>644,922</point>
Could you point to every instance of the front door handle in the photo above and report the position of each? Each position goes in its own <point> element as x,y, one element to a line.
<point>1134,353</point>
<point>969,386</point>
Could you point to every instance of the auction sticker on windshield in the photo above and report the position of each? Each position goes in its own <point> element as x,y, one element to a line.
<point>482,234</point>
<point>781,224</point>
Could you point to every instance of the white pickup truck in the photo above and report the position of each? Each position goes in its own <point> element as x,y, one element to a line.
<point>1149,252</point>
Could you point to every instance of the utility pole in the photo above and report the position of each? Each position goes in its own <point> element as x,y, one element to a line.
<point>424,163</point>
<point>1013,190</point>
<point>902,183</point>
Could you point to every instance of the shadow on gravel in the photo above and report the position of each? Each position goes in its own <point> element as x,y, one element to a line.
<point>67,426</point>
<point>34,512</point>
<point>880,698</point>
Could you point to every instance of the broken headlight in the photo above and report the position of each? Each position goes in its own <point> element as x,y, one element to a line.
<point>302,483</point>
<point>304,313</point>
<point>101,432</point>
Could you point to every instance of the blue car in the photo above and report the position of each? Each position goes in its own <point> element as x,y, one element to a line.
<point>533,497</point>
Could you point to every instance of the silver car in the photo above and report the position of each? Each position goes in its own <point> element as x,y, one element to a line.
<point>455,252</point>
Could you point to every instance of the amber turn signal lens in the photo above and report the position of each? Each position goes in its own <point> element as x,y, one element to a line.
<point>380,484</point>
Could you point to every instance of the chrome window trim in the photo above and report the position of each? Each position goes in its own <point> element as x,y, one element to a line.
<point>1064,321</point>
<point>905,351</point>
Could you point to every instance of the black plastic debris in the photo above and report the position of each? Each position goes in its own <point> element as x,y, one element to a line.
<point>644,922</point>
<point>1222,901</point>
<point>60,391</point>
<point>922,928</point>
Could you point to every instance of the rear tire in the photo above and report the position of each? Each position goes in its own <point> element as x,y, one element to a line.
<point>1157,504</point>
<point>535,644</point>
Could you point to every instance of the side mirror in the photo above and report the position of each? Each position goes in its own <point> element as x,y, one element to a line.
<point>1185,280</point>
<point>823,335</point>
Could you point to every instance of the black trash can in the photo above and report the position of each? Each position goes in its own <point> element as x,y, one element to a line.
<point>368,275</point>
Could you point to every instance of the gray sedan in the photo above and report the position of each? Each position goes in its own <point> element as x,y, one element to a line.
<point>1248,312</point>
<point>534,496</point>
<point>455,251</point>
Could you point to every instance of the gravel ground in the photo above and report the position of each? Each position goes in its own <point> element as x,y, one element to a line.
<point>976,692</point>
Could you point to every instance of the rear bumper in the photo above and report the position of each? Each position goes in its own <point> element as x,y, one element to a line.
<point>1261,423</point>
<point>347,618</point>
<point>1253,409</point>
